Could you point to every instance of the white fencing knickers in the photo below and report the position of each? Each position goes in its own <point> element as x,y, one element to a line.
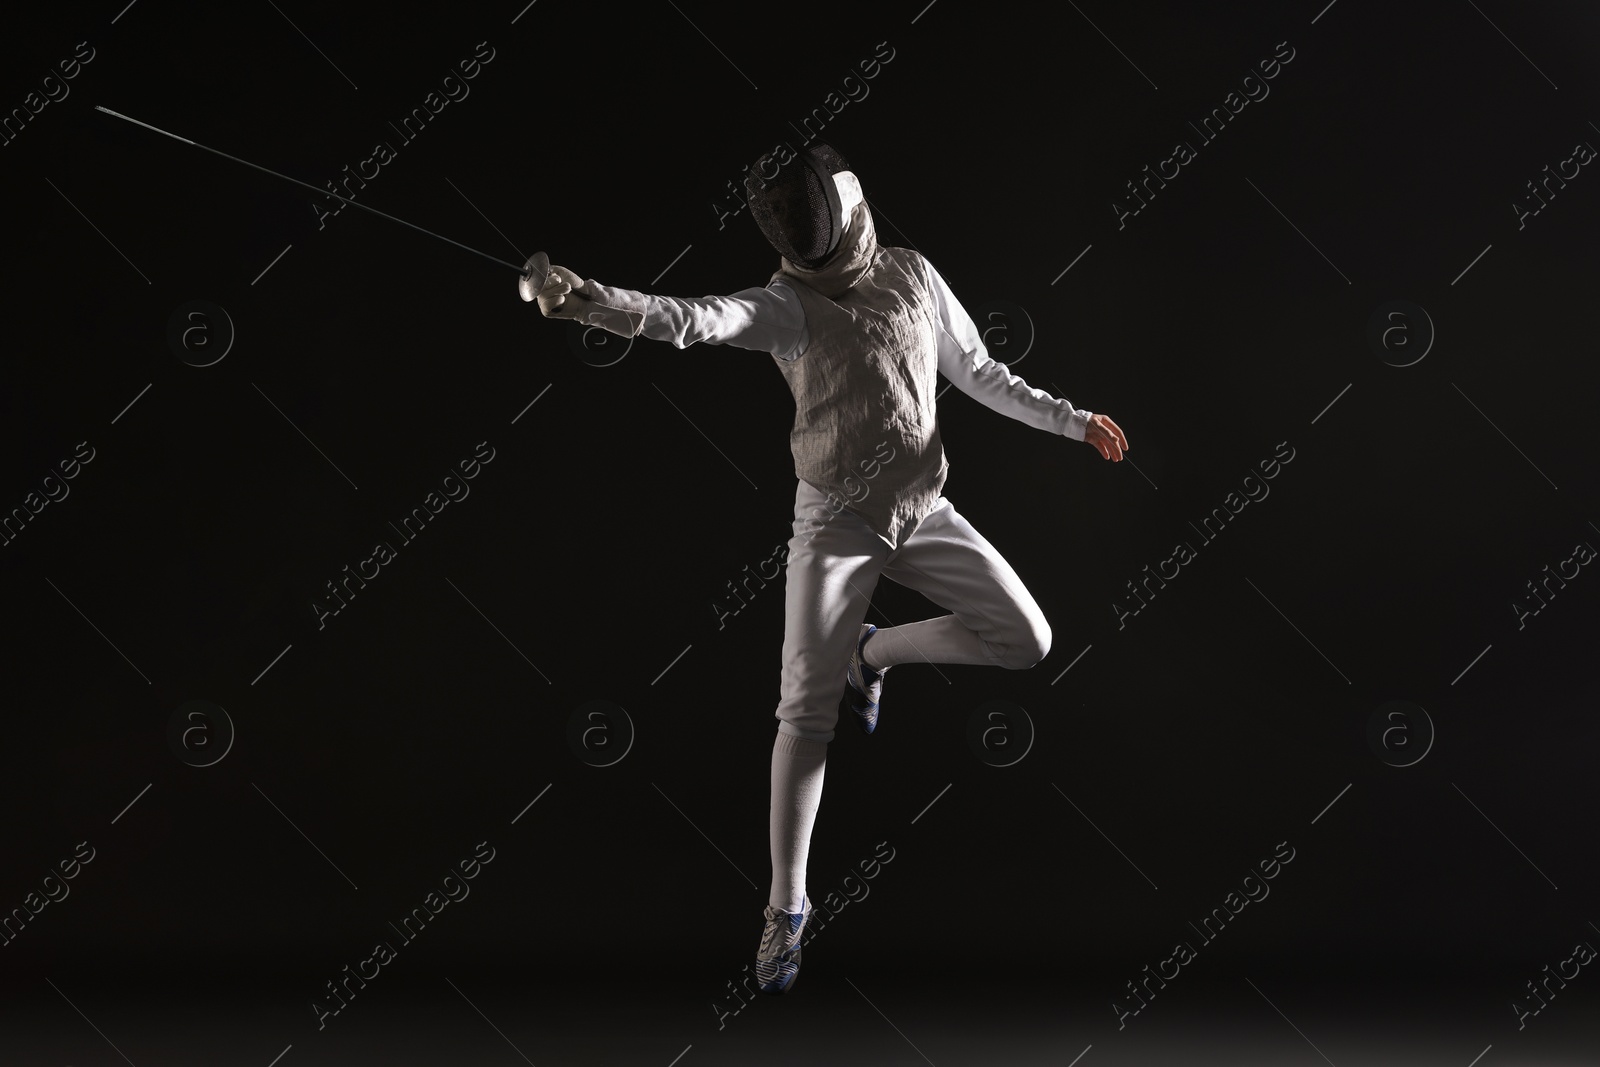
<point>832,572</point>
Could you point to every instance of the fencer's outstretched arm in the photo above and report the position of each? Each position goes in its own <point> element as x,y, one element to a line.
<point>768,319</point>
<point>965,360</point>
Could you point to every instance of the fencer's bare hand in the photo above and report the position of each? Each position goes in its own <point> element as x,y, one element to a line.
<point>1106,436</point>
<point>562,295</point>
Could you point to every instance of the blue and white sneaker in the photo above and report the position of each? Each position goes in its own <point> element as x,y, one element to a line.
<point>778,958</point>
<point>866,684</point>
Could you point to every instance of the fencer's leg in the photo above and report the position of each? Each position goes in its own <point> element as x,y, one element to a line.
<point>798,767</point>
<point>939,640</point>
<point>833,567</point>
<point>994,620</point>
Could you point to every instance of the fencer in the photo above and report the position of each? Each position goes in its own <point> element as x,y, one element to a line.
<point>860,332</point>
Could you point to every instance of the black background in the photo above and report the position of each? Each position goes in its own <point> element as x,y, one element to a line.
<point>1225,319</point>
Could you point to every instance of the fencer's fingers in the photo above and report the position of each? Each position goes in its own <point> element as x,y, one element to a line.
<point>1110,448</point>
<point>1112,430</point>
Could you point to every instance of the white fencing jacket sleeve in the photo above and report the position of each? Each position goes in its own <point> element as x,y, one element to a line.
<point>764,320</point>
<point>965,361</point>
<point>772,319</point>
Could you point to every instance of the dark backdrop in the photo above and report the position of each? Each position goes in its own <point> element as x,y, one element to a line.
<point>1351,665</point>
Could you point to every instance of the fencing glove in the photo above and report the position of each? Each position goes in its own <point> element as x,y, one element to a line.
<point>560,297</point>
<point>564,295</point>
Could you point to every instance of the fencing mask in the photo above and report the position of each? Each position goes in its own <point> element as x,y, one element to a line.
<point>797,204</point>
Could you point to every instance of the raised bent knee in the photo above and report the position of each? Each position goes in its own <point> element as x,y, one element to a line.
<point>1031,646</point>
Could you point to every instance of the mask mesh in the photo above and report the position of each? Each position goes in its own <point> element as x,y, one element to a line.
<point>792,208</point>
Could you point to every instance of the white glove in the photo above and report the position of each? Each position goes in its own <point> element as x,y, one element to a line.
<point>563,295</point>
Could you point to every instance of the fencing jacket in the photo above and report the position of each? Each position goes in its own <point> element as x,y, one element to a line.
<point>860,341</point>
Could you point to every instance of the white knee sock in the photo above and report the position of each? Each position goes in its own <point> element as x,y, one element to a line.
<point>797,769</point>
<point>941,640</point>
